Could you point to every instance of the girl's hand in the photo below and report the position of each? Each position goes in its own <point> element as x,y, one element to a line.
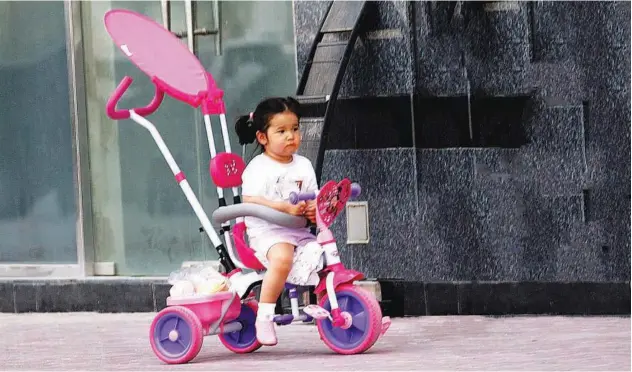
<point>296,210</point>
<point>310,211</point>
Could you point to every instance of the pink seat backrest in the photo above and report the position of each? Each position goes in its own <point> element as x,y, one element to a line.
<point>226,169</point>
<point>246,254</point>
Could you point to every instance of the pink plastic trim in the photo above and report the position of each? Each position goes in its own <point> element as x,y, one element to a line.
<point>115,114</point>
<point>212,102</point>
<point>210,82</point>
<point>335,267</point>
<point>188,99</point>
<point>246,254</point>
<point>386,324</point>
<point>342,277</point>
<point>180,177</point>
<point>336,316</point>
<point>236,271</point>
<point>212,99</point>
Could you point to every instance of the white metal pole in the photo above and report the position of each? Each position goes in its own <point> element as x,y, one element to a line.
<point>211,146</point>
<point>180,178</point>
<point>209,135</point>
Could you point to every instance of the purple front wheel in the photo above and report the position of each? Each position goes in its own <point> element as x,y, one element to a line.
<point>365,315</point>
<point>245,340</point>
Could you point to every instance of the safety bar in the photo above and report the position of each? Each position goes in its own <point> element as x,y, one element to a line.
<point>230,212</point>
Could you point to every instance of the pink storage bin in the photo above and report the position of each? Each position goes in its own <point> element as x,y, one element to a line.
<point>209,308</point>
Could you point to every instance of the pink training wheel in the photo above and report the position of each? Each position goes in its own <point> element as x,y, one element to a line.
<point>331,200</point>
<point>176,335</point>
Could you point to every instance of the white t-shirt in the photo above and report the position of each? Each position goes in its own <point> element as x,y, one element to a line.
<point>275,181</point>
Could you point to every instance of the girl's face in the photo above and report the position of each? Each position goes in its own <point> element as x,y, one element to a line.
<point>282,139</point>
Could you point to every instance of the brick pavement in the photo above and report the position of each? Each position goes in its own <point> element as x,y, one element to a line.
<point>88,341</point>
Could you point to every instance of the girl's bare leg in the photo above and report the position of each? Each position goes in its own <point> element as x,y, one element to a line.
<point>280,258</point>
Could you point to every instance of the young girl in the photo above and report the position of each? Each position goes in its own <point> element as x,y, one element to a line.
<point>268,180</point>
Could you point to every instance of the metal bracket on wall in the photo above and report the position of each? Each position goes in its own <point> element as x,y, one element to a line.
<point>191,31</point>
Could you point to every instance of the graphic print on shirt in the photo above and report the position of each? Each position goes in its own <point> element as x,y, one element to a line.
<point>286,184</point>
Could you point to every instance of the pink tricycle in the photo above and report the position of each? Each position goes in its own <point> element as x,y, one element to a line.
<point>348,318</point>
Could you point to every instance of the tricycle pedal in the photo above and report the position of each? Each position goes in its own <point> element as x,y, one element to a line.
<point>316,312</point>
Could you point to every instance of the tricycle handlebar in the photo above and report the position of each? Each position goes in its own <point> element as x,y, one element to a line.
<point>303,196</point>
<point>115,114</point>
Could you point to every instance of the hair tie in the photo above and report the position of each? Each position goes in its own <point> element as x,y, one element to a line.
<point>252,114</point>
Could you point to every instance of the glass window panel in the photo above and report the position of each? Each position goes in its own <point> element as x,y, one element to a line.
<point>37,193</point>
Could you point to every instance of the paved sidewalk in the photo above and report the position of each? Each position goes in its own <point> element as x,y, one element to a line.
<point>99,342</point>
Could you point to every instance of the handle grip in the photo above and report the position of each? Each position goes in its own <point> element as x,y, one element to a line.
<point>303,196</point>
<point>355,190</point>
<point>295,198</point>
<point>116,114</point>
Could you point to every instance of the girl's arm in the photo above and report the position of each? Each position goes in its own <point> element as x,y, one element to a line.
<point>281,206</point>
<point>312,185</point>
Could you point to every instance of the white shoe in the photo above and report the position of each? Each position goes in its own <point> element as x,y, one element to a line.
<point>266,334</point>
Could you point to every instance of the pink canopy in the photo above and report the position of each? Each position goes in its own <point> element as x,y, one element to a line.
<point>160,55</point>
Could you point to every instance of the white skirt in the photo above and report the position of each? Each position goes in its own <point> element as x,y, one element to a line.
<point>308,254</point>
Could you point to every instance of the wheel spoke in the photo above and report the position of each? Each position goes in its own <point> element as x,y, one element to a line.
<point>359,321</point>
<point>182,343</point>
<point>343,303</point>
<point>339,333</point>
<point>175,327</point>
<point>356,307</point>
<point>163,333</point>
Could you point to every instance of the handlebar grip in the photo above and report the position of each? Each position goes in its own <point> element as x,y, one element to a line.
<point>295,198</point>
<point>355,190</point>
<point>110,107</point>
<point>115,114</point>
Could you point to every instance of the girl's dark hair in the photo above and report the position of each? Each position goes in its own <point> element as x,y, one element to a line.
<point>247,127</point>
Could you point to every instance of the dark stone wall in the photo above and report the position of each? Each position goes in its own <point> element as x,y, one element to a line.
<point>493,144</point>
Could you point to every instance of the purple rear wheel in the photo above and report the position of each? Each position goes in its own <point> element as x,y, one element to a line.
<point>176,335</point>
<point>245,340</point>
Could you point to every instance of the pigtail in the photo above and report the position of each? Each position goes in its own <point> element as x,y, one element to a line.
<point>245,129</point>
